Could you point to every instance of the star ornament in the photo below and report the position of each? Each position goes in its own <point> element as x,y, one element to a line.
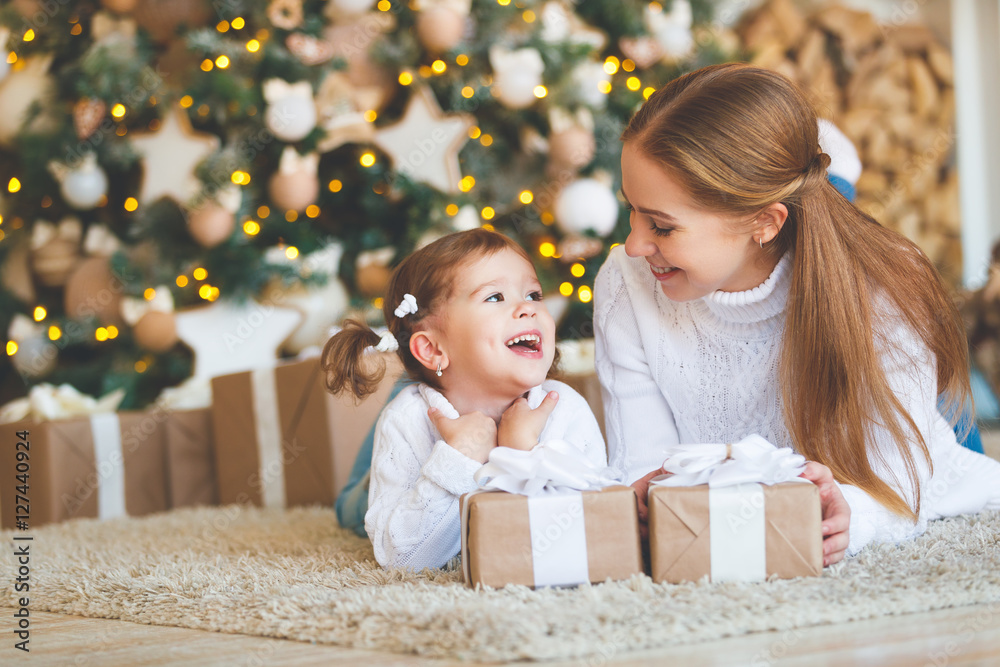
<point>424,144</point>
<point>170,156</point>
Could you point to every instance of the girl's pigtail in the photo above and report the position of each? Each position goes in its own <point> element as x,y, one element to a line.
<point>349,362</point>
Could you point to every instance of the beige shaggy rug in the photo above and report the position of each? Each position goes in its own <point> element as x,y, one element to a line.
<point>296,574</point>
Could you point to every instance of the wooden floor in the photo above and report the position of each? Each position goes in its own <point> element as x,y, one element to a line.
<point>960,636</point>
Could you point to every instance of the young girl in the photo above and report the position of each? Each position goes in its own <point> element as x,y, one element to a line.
<point>467,317</point>
<point>752,297</point>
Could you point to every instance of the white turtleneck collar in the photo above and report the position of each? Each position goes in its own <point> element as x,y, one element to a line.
<point>436,399</point>
<point>757,304</point>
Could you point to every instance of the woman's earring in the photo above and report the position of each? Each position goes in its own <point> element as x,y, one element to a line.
<point>438,371</point>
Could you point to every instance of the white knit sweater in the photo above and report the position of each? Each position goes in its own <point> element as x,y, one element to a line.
<point>707,371</point>
<point>417,478</point>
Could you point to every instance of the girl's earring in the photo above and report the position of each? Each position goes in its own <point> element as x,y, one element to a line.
<point>760,240</point>
<point>438,371</point>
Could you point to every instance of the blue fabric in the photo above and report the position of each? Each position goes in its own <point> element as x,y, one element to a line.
<point>987,405</point>
<point>973,440</point>
<point>843,186</point>
<point>352,503</point>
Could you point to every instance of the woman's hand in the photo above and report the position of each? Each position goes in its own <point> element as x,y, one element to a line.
<point>836,512</point>
<point>520,426</point>
<point>641,487</point>
<point>474,434</point>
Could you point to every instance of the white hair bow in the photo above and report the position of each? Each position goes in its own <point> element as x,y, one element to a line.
<point>406,306</point>
<point>387,343</point>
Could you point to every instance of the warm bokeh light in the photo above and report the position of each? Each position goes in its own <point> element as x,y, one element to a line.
<point>566,289</point>
<point>461,60</point>
<point>541,91</point>
<point>649,90</point>
<point>222,26</point>
<point>291,216</point>
<point>384,5</point>
<point>207,65</point>
<point>405,78</point>
<point>611,65</point>
<point>118,110</point>
<point>528,16</point>
<point>149,294</point>
<point>182,281</point>
<point>101,334</point>
<point>312,211</point>
<point>11,348</point>
<point>526,197</point>
<point>187,101</point>
<point>251,227</point>
<point>584,294</point>
<point>439,66</point>
<point>604,87</point>
<point>335,186</point>
<point>55,333</point>
<point>367,159</point>
<point>29,35</point>
<point>140,366</point>
<point>488,213</point>
<point>263,211</point>
<point>222,62</point>
<point>13,185</point>
<point>205,292</point>
<point>468,92</point>
<point>371,115</point>
<point>474,132</point>
<point>628,65</point>
<point>238,23</point>
<point>131,204</point>
<point>199,273</point>
<point>253,46</point>
<point>577,270</point>
<point>451,209</point>
<point>486,140</point>
<point>112,332</point>
<point>632,83</point>
<point>547,249</point>
<point>466,183</point>
<point>291,252</point>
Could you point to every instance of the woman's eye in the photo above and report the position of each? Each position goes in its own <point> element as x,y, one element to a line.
<point>628,207</point>
<point>659,231</point>
<point>535,296</point>
<point>495,298</point>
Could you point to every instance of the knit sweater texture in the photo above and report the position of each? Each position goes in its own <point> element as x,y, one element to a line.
<point>707,371</point>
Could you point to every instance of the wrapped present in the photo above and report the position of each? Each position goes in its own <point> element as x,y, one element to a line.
<point>187,433</point>
<point>735,512</point>
<point>547,518</point>
<point>281,439</point>
<point>101,465</point>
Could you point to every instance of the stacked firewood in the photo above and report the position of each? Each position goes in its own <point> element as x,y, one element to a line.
<point>890,89</point>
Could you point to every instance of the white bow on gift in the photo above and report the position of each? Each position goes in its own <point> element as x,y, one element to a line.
<point>49,402</point>
<point>751,460</point>
<point>553,466</point>
<point>133,309</point>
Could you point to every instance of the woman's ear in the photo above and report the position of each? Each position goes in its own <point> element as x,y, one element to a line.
<point>769,222</point>
<point>425,348</point>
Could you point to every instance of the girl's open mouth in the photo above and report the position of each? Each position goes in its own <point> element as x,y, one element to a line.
<point>525,344</point>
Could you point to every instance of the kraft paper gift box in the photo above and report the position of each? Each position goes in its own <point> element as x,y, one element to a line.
<point>101,466</point>
<point>548,517</point>
<point>190,458</point>
<point>737,531</point>
<point>281,439</point>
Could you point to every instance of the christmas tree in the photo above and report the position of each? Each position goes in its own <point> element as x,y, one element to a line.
<point>158,156</point>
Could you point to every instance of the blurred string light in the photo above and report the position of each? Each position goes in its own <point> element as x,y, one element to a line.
<point>11,348</point>
<point>566,289</point>
<point>55,333</point>
<point>584,294</point>
<point>39,313</point>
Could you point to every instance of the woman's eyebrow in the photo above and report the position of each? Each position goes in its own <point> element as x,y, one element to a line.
<point>649,211</point>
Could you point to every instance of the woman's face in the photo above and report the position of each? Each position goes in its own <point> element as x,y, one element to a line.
<point>691,251</point>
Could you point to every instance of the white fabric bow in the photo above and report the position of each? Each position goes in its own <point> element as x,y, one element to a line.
<point>133,309</point>
<point>550,467</point>
<point>101,241</point>
<point>276,89</point>
<point>69,229</point>
<point>46,402</point>
<point>406,306</point>
<point>751,460</point>
<point>23,328</point>
<point>293,162</point>
<point>387,343</point>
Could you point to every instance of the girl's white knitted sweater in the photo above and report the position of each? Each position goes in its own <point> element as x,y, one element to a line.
<point>707,371</point>
<point>417,478</point>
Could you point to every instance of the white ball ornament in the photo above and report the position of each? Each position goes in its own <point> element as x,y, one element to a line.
<point>584,204</point>
<point>84,185</point>
<point>588,79</point>
<point>516,74</point>
<point>35,357</point>
<point>291,110</point>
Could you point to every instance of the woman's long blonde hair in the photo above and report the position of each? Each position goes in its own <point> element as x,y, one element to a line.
<point>739,138</point>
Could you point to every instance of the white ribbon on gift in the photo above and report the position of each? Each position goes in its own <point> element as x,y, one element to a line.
<point>267,425</point>
<point>552,475</point>
<point>735,474</point>
<point>107,433</point>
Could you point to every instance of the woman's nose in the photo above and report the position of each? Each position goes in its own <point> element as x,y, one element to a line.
<point>637,244</point>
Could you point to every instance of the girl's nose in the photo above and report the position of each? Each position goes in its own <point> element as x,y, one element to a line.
<point>526,309</point>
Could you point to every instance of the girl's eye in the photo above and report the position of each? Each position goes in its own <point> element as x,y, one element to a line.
<point>535,296</point>
<point>628,207</point>
<point>659,231</point>
<point>495,298</point>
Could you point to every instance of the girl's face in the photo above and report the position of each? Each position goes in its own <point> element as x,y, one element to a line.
<point>498,336</point>
<point>691,252</point>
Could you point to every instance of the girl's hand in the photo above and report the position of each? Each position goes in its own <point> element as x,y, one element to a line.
<point>836,512</point>
<point>641,487</point>
<point>520,426</point>
<point>474,434</point>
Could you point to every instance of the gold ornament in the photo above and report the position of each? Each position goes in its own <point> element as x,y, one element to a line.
<point>285,14</point>
<point>309,50</point>
<point>424,144</point>
<point>170,156</point>
<point>88,113</point>
<point>296,184</point>
<point>342,106</point>
<point>440,29</point>
<point>93,290</point>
